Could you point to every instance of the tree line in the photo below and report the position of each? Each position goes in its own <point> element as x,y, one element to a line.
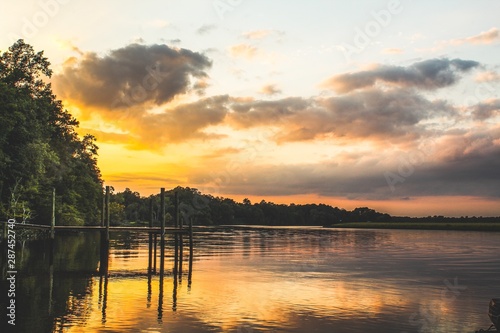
<point>205,209</point>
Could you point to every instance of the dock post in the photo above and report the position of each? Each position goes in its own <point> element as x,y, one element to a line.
<point>162,254</point>
<point>162,236</point>
<point>176,235</point>
<point>190,270</point>
<point>107,212</point>
<point>53,220</point>
<point>104,249</point>
<point>181,256</point>
<point>155,242</point>
<point>150,253</point>
<point>103,210</point>
<point>176,207</point>
<point>179,238</point>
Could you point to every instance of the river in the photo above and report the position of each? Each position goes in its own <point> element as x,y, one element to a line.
<point>260,279</point>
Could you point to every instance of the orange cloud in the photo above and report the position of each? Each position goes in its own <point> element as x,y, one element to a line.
<point>485,37</point>
<point>489,76</point>
<point>244,50</point>
<point>257,34</point>
<point>392,50</point>
<point>270,89</point>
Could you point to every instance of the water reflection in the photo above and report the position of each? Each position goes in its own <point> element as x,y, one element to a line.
<point>261,280</point>
<point>56,279</point>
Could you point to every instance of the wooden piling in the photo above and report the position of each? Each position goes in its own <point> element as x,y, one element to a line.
<point>162,230</point>
<point>176,209</point>
<point>154,252</point>
<point>107,212</point>
<point>150,253</point>
<point>181,256</point>
<point>176,255</point>
<point>176,236</point>
<point>162,254</point>
<point>103,210</point>
<point>162,211</point>
<point>190,269</point>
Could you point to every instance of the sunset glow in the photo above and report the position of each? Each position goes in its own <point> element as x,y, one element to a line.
<point>394,105</point>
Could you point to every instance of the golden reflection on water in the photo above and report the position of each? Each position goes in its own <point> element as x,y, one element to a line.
<point>252,285</point>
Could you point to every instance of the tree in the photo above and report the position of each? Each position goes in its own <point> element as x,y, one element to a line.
<point>39,147</point>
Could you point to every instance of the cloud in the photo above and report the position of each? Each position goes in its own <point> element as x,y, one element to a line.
<point>374,114</point>
<point>270,89</point>
<point>488,76</point>
<point>458,164</point>
<point>68,44</point>
<point>130,76</point>
<point>243,50</point>
<point>222,153</point>
<point>182,123</point>
<point>487,109</point>
<point>175,41</point>
<point>206,28</point>
<point>485,37</point>
<point>428,75</point>
<point>257,34</point>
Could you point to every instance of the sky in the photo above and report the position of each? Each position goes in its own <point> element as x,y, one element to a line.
<point>394,105</point>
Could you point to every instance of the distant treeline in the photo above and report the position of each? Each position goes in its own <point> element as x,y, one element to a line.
<point>445,219</point>
<point>205,209</point>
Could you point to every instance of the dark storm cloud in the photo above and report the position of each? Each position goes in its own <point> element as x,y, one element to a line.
<point>132,75</point>
<point>428,75</point>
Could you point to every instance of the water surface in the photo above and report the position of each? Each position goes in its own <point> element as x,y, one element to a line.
<point>248,279</point>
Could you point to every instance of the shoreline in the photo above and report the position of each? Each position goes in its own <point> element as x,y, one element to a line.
<point>465,226</point>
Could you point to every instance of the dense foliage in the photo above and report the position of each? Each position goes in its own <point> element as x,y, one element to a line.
<point>39,148</point>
